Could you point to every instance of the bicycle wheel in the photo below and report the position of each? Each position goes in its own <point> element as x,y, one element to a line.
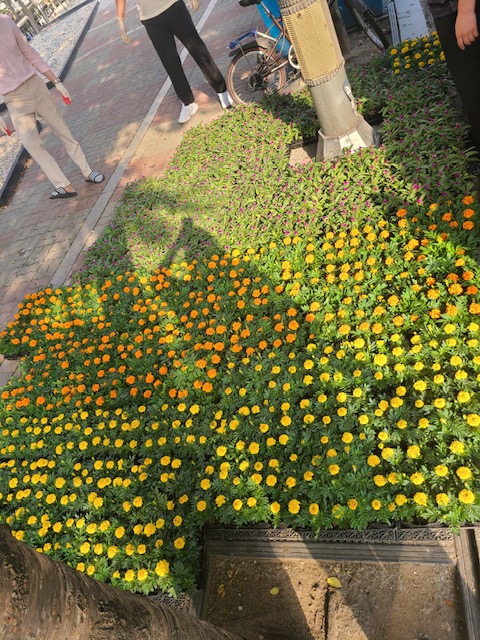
<point>368,24</point>
<point>250,75</point>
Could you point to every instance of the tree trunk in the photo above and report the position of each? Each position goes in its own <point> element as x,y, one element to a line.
<point>41,599</point>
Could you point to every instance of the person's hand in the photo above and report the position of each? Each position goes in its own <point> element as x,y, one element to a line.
<point>466,29</point>
<point>194,5</point>
<point>59,86</point>
<point>123,30</point>
<point>4,127</point>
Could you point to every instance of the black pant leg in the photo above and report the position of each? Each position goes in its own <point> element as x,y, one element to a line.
<point>160,33</point>
<point>464,67</point>
<point>184,29</point>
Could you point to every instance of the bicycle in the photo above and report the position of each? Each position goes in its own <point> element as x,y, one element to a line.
<point>268,64</point>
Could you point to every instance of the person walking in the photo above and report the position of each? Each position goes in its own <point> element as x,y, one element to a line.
<point>163,20</point>
<point>456,22</point>
<point>27,97</point>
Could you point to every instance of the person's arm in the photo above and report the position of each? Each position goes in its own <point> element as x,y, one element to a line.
<point>38,63</point>
<point>28,52</point>
<point>466,28</point>
<point>121,19</point>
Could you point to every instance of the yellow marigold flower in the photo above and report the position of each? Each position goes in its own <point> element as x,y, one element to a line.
<point>463,396</point>
<point>254,448</point>
<point>119,532</point>
<point>179,543</point>
<point>442,499</point>
<point>413,451</point>
<point>221,451</point>
<point>394,478</point>
<point>420,385</point>
<point>112,551</point>
<point>441,470</point>
<point>379,480</point>
<point>464,473</point>
<point>275,507</point>
<point>149,529</point>
<point>380,359</point>
<point>201,505</point>
<point>84,548</point>
<point>334,469</point>
<point>457,447</point>
<point>466,496</point>
<point>137,502</point>
<point>352,504</point>
<point>314,509</point>
<point>294,506</point>
<point>473,419</point>
<point>290,482</point>
<point>237,504</point>
<point>420,498</point>
<point>417,478</point>
<point>220,500</point>
<point>162,568</point>
<point>401,499</point>
<point>376,504</point>
<point>373,461</point>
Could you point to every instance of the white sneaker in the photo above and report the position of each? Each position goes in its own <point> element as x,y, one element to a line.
<point>187,112</point>
<point>225,100</point>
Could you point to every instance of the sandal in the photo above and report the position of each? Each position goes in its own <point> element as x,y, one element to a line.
<point>61,193</point>
<point>96,177</point>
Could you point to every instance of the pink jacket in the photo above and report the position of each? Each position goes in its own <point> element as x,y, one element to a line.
<point>18,60</point>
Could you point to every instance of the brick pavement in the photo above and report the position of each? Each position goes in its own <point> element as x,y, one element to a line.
<point>124,114</point>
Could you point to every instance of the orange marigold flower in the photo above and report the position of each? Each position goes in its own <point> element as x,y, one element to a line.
<point>472,290</point>
<point>451,310</point>
<point>468,200</point>
<point>455,289</point>
<point>468,225</point>
<point>474,308</point>
<point>468,213</point>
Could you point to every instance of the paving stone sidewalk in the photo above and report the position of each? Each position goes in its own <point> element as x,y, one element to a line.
<point>124,114</point>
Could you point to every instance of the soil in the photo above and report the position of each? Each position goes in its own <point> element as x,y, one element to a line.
<point>263,598</point>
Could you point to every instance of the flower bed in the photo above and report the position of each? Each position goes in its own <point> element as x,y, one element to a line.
<point>322,378</point>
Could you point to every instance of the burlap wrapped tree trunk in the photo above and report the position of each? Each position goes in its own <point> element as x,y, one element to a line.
<point>41,599</point>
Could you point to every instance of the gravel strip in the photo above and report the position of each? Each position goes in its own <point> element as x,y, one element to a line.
<point>55,43</point>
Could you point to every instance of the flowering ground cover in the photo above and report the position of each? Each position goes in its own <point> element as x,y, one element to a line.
<point>308,353</point>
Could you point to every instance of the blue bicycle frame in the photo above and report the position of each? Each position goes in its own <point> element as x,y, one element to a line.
<point>269,10</point>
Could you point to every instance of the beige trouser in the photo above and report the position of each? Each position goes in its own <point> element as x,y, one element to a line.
<point>26,102</point>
